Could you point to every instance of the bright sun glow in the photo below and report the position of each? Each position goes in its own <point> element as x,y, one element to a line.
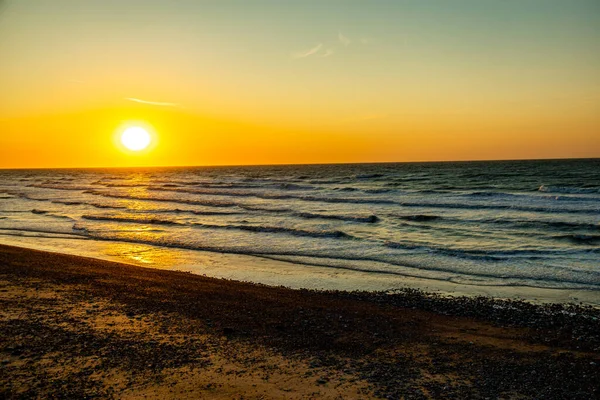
<point>135,138</point>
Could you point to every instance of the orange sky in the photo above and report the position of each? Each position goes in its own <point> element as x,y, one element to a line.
<point>262,82</point>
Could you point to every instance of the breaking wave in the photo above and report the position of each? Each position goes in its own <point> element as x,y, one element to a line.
<point>568,190</point>
<point>250,228</point>
<point>352,218</point>
<point>207,203</point>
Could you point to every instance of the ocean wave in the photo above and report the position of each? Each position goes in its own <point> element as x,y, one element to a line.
<point>48,231</point>
<point>68,203</point>
<point>568,190</point>
<point>485,255</point>
<point>124,184</point>
<point>33,234</point>
<point>327,181</point>
<point>49,214</point>
<point>97,205</point>
<point>207,203</point>
<point>349,200</point>
<point>250,228</point>
<point>173,210</point>
<point>78,227</point>
<point>175,183</point>
<point>537,209</point>
<point>490,194</point>
<point>266,184</point>
<point>419,217</point>
<point>273,196</point>
<point>275,210</point>
<point>294,186</point>
<point>131,219</point>
<point>542,225</point>
<point>527,197</point>
<point>59,187</point>
<point>369,176</point>
<point>377,191</point>
<point>194,212</point>
<point>157,185</point>
<point>580,239</point>
<point>412,179</point>
<point>351,218</point>
<point>432,191</point>
<point>85,203</point>
<point>290,231</point>
<point>29,197</point>
<point>462,278</point>
<point>210,192</point>
<point>466,254</point>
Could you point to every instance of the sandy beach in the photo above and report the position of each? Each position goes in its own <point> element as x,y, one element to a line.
<point>76,327</point>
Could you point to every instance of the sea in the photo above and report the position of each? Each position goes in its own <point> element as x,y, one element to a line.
<point>512,229</point>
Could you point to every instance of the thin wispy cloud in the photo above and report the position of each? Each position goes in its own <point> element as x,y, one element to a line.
<point>154,103</point>
<point>327,53</point>
<point>343,39</point>
<point>309,52</point>
<point>328,49</point>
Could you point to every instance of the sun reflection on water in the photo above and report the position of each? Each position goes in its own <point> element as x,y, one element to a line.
<point>141,254</point>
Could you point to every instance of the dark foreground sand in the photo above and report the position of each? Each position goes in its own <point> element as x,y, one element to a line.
<point>82,328</point>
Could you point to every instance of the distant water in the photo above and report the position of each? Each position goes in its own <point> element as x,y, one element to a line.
<point>509,223</point>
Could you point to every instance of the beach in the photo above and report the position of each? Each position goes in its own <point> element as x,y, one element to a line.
<point>86,328</point>
<point>299,200</point>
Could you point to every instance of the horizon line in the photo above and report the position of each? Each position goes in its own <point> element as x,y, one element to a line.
<point>307,164</point>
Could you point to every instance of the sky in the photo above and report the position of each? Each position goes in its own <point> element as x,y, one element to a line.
<point>230,82</point>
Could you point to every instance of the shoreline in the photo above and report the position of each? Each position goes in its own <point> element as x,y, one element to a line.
<point>126,332</point>
<point>272,272</point>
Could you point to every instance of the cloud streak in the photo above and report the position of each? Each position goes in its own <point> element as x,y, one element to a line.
<point>154,103</point>
<point>328,49</point>
<point>343,39</point>
<point>327,53</point>
<point>309,52</point>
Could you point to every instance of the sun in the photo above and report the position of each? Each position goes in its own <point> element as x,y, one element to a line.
<point>135,138</point>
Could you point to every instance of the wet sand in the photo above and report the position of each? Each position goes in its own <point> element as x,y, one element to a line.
<point>78,327</point>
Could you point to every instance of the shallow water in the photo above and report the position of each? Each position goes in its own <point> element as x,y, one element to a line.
<point>527,224</point>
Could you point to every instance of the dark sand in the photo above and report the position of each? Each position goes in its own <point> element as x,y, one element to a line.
<point>77,327</point>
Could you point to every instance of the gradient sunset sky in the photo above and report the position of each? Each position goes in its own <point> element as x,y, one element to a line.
<point>284,82</point>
